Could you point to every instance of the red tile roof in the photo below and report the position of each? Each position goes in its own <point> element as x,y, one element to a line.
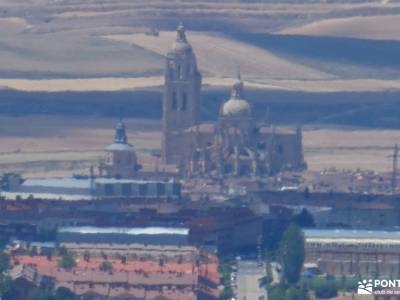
<point>126,278</point>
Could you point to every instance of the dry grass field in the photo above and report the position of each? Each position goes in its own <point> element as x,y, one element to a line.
<point>219,56</point>
<point>364,27</point>
<point>61,45</point>
<point>44,146</point>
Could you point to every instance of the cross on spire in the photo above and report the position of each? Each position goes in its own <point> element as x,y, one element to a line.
<point>237,88</point>
<point>181,36</point>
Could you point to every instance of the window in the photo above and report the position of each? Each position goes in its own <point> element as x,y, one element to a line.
<point>280,149</point>
<point>176,189</point>
<point>143,189</point>
<point>184,101</point>
<point>109,189</point>
<point>174,101</point>
<point>171,66</point>
<point>160,189</point>
<point>126,189</point>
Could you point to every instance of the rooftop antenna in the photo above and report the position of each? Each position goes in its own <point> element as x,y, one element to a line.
<point>92,185</point>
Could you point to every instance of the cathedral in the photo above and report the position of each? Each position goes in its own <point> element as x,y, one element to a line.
<point>236,145</point>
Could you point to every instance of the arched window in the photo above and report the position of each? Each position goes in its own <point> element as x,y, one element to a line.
<point>174,104</point>
<point>171,67</point>
<point>184,101</point>
<point>180,75</point>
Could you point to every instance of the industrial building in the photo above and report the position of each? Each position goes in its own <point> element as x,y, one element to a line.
<point>78,188</point>
<point>354,252</point>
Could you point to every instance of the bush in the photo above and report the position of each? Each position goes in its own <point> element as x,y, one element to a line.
<point>295,293</point>
<point>325,288</point>
<point>38,294</point>
<point>63,293</point>
<point>276,292</point>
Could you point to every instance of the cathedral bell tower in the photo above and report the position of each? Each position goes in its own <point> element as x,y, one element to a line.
<point>181,102</point>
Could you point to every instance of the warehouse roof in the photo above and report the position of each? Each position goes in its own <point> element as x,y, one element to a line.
<point>345,236</point>
<point>125,230</point>
<point>351,234</point>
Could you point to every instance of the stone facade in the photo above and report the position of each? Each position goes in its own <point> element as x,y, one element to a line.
<point>236,144</point>
<point>181,103</point>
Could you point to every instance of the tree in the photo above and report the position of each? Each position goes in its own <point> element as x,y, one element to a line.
<point>67,261</point>
<point>304,219</point>
<point>291,254</point>
<point>106,266</point>
<point>4,262</point>
<point>7,288</point>
<point>225,270</point>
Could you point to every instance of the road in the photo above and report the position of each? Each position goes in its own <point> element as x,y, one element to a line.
<point>248,276</point>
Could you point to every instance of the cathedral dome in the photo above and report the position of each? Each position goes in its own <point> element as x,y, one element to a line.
<point>236,106</point>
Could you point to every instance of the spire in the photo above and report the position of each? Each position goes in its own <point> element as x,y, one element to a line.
<point>239,76</point>
<point>181,36</point>
<point>237,88</point>
<point>120,133</point>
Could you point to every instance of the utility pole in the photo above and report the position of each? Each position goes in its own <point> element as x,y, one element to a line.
<point>394,167</point>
